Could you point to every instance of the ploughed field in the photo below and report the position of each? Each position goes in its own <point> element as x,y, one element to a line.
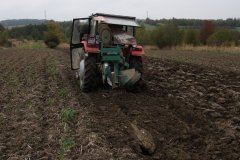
<point>191,111</point>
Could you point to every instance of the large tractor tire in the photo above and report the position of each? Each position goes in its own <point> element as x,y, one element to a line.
<point>136,62</point>
<point>88,77</point>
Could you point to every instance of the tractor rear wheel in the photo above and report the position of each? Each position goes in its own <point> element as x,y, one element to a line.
<point>136,62</point>
<point>88,77</point>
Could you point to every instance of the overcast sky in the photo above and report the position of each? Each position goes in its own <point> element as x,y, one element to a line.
<point>69,9</point>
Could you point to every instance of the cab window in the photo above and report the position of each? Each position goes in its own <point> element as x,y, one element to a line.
<point>93,28</point>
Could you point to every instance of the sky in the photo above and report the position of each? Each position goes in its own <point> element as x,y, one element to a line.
<point>63,10</point>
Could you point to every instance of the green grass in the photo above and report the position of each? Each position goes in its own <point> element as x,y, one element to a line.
<point>68,115</point>
<point>63,92</point>
<point>51,102</point>
<point>33,45</point>
<point>53,67</point>
<point>38,45</point>
<point>66,144</point>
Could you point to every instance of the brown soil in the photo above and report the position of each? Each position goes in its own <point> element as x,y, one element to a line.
<point>223,60</point>
<point>191,112</point>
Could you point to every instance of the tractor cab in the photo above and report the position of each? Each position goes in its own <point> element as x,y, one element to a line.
<point>110,39</point>
<point>114,30</point>
<point>108,29</point>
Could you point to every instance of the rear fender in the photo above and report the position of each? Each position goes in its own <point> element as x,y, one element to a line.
<point>90,49</point>
<point>137,51</point>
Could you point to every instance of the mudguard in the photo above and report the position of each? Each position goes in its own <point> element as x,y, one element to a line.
<point>88,49</point>
<point>137,51</point>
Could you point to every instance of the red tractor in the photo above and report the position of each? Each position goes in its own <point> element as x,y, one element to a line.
<point>104,50</point>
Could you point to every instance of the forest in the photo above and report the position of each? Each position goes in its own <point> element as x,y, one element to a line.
<point>162,33</point>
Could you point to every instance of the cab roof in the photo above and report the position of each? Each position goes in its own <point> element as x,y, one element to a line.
<point>113,15</point>
<point>115,19</point>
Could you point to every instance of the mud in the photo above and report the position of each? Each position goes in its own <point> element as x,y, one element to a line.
<point>191,112</point>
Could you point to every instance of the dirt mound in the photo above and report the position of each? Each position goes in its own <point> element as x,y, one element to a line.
<point>190,112</point>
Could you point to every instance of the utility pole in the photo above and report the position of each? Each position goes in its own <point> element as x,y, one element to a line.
<point>45,15</point>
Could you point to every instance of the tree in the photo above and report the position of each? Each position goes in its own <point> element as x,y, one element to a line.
<point>191,37</point>
<point>206,31</point>
<point>3,36</point>
<point>1,28</point>
<point>167,35</point>
<point>4,39</point>
<point>144,36</point>
<point>141,36</point>
<point>53,36</point>
<point>222,37</point>
<point>32,32</point>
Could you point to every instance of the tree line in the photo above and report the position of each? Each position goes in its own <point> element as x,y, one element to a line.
<point>3,36</point>
<point>194,23</point>
<point>21,22</point>
<point>36,32</point>
<point>170,34</point>
<point>163,33</point>
<point>51,32</point>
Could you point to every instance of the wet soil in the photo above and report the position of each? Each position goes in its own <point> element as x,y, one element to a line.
<point>191,111</point>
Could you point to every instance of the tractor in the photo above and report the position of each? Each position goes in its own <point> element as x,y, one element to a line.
<point>103,50</point>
